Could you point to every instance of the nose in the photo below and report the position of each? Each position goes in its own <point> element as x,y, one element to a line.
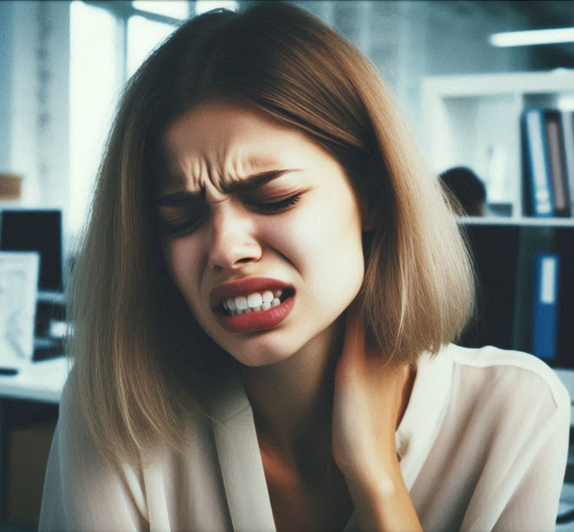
<point>233,243</point>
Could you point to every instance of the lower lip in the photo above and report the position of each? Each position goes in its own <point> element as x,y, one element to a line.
<point>257,321</point>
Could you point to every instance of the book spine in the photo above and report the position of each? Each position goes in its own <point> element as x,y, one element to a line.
<point>567,120</point>
<point>538,168</point>
<point>556,159</point>
<point>545,305</point>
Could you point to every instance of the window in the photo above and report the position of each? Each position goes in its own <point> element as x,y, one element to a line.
<point>163,7</point>
<point>94,83</point>
<point>143,37</point>
<point>108,42</point>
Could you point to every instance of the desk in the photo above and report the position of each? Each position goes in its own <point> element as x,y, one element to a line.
<point>37,381</point>
<point>40,382</point>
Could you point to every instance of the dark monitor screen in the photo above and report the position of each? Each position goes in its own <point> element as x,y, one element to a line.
<point>36,230</point>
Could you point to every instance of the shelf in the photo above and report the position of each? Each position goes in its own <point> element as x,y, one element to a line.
<point>474,121</point>
<point>37,381</point>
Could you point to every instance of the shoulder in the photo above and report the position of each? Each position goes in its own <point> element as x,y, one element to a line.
<point>86,488</point>
<point>83,490</point>
<point>74,427</point>
<point>504,439</point>
<point>513,382</point>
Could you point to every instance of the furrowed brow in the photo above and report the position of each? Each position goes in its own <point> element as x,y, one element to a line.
<point>255,181</point>
<point>252,182</point>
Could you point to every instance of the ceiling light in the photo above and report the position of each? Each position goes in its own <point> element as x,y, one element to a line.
<point>202,6</point>
<point>532,37</point>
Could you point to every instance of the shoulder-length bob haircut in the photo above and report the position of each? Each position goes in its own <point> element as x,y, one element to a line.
<point>140,355</point>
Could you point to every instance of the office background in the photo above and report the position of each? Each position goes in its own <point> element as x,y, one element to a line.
<point>63,65</point>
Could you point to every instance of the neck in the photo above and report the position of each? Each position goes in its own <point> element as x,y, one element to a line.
<point>292,401</point>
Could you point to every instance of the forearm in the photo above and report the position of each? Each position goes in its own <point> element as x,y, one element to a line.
<point>383,503</point>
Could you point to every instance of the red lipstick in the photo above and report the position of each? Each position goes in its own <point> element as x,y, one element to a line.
<point>244,287</point>
<point>255,321</point>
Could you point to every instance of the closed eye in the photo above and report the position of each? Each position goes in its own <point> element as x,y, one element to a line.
<point>187,220</point>
<point>183,222</point>
<point>276,206</point>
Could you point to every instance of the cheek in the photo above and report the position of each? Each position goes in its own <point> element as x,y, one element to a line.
<point>181,257</point>
<point>340,251</point>
<point>324,242</point>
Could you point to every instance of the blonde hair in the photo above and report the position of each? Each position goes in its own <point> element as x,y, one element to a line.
<point>140,356</point>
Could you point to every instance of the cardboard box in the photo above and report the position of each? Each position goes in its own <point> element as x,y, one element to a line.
<point>10,187</point>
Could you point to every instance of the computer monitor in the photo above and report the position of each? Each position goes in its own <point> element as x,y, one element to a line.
<point>36,230</point>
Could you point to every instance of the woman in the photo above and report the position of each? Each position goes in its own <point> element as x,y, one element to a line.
<point>264,310</point>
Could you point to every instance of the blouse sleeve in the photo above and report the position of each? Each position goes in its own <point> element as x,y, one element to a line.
<point>525,424</point>
<point>82,491</point>
<point>534,504</point>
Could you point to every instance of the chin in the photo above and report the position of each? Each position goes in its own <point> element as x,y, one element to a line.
<point>260,363</point>
<point>256,357</point>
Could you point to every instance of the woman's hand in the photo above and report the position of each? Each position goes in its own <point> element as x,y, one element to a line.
<point>370,394</point>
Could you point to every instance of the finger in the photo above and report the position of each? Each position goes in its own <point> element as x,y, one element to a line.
<point>354,341</point>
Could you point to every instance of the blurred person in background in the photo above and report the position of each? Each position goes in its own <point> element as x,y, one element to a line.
<point>465,191</point>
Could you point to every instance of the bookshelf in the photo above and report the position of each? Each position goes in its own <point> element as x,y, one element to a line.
<point>474,121</point>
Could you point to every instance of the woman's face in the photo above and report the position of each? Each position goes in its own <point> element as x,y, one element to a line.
<point>256,214</point>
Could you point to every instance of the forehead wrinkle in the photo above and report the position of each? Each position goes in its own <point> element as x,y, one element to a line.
<point>208,176</point>
<point>190,171</point>
<point>244,160</point>
<point>234,168</point>
<point>231,165</point>
<point>214,166</point>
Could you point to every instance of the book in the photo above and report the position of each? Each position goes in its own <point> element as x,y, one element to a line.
<point>555,147</point>
<point>545,305</point>
<point>567,122</point>
<point>537,178</point>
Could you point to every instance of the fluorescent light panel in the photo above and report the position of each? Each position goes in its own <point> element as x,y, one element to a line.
<point>203,6</point>
<point>532,37</point>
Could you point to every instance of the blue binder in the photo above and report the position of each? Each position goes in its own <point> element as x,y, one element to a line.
<point>545,305</point>
<point>537,163</point>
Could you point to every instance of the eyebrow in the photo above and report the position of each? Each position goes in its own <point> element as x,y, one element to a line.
<point>251,182</point>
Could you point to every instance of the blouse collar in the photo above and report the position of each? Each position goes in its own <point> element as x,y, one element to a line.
<point>239,456</point>
<point>238,448</point>
<point>425,413</point>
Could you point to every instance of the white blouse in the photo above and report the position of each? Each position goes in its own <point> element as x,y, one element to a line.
<point>482,445</point>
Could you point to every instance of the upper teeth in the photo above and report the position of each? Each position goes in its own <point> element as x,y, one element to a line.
<point>254,301</point>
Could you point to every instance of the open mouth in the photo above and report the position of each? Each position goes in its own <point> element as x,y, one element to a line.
<point>254,302</point>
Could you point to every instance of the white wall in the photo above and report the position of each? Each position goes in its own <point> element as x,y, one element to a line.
<point>34,95</point>
<point>412,39</point>
<point>6,43</point>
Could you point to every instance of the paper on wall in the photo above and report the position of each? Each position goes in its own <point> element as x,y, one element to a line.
<point>19,271</point>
